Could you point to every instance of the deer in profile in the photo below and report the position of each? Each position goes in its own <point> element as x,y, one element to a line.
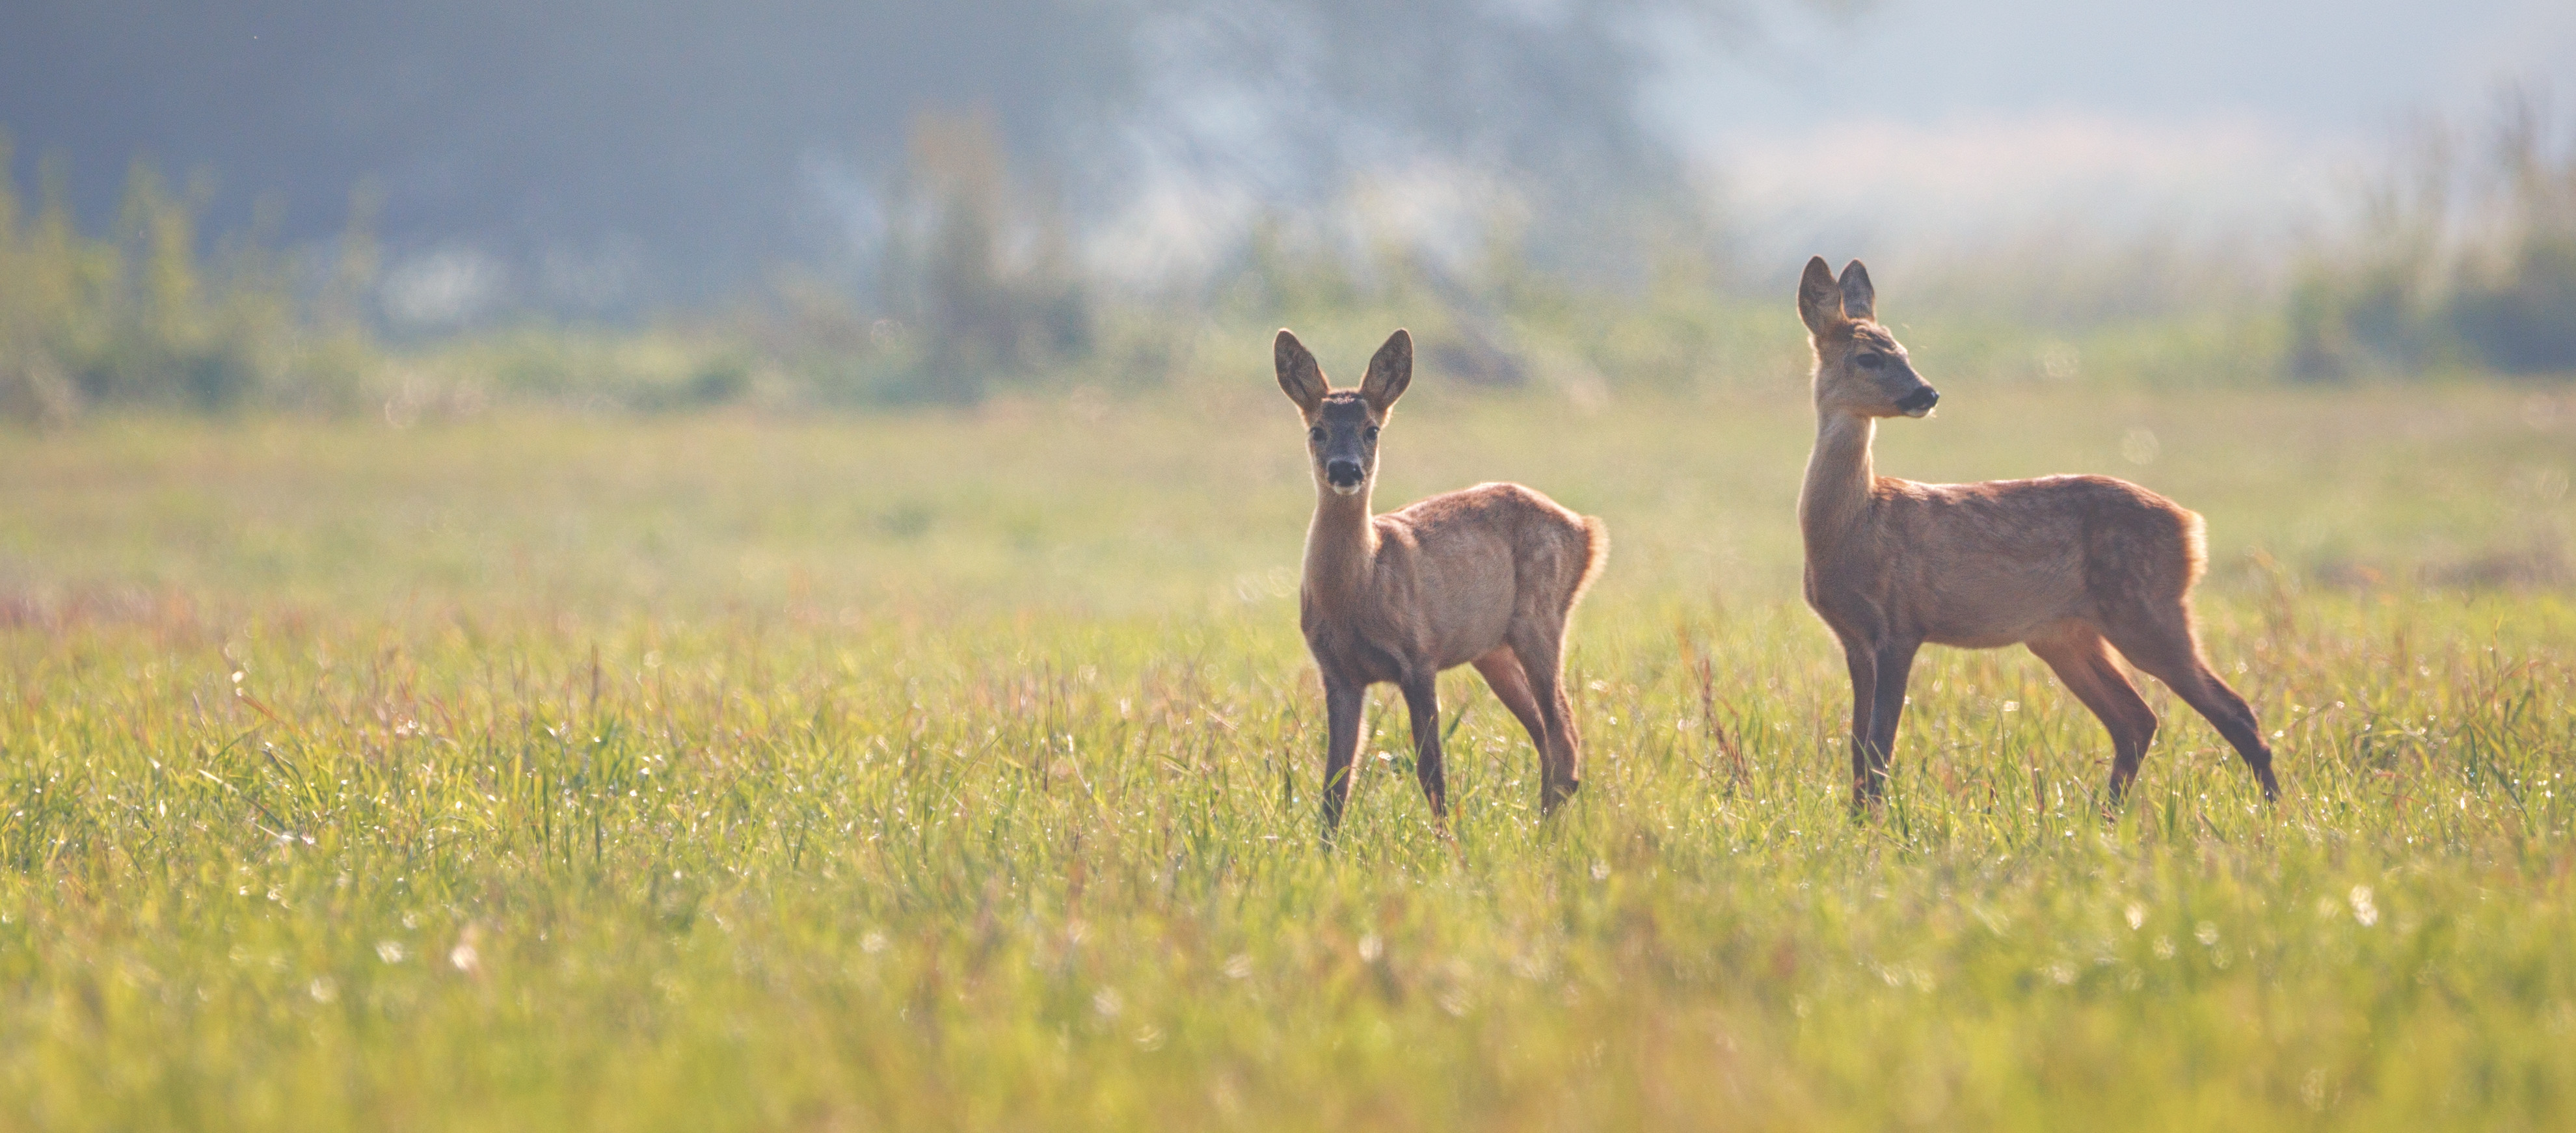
<point>1486,576</point>
<point>2083,570</point>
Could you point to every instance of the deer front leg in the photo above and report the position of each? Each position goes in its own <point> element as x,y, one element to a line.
<point>1343,701</point>
<point>1422,700</point>
<point>1866,779</point>
<point>1894,666</point>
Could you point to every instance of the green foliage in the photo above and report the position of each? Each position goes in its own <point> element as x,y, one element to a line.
<point>2518,316</point>
<point>139,320</point>
<point>980,264</point>
<point>958,770</point>
<point>2458,263</point>
<point>979,296</point>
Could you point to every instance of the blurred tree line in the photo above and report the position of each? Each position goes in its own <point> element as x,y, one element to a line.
<point>2464,257</point>
<point>612,160</point>
<point>140,318</point>
<point>810,201</point>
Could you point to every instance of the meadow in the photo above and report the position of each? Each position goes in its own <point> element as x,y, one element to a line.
<point>535,769</point>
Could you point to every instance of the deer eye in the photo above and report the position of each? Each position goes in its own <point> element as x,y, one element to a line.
<point>1872,361</point>
<point>1369,434</point>
<point>1316,434</point>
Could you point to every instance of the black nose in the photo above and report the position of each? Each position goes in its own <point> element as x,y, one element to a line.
<point>1919,400</point>
<point>1342,473</point>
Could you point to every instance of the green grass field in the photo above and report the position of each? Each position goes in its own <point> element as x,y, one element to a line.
<point>716,772</point>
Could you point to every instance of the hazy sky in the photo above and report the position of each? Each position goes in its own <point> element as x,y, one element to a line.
<point>1914,120</point>
<point>2302,64</point>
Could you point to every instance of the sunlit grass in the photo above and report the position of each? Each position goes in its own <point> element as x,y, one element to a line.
<point>660,779</point>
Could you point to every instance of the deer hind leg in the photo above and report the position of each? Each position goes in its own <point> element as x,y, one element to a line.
<point>1502,671</point>
<point>1542,663</point>
<point>2083,661</point>
<point>2160,643</point>
<point>1422,700</point>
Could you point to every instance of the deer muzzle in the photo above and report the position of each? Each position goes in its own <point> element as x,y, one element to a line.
<point>1344,475</point>
<point>1919,402</point>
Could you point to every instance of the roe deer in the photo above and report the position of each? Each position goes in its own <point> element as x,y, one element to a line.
<point>1486,576</point>
<point>2074,567</point>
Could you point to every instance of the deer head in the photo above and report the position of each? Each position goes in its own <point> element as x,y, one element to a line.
<point>1342,424</point>
<point>1860,368</point>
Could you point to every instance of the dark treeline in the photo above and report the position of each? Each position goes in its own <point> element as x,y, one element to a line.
<point>603,159</point>
<point>680,138</point>
<point>2465,254</point>
<point>290,205</point>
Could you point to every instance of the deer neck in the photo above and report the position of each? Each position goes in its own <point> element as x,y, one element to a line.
<point>1341,544</point>
<point>1835,499</point>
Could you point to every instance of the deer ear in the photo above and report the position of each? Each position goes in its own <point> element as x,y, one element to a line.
<point>1298,374</point>
<point>1859,301</point>
<point>1389,371</point>
<point>1820,299</point>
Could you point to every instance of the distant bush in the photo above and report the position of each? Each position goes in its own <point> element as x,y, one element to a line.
<point>2519,315</point>
<point>979,265</point>
<point>140,319</point>
<point>2460,260</point>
